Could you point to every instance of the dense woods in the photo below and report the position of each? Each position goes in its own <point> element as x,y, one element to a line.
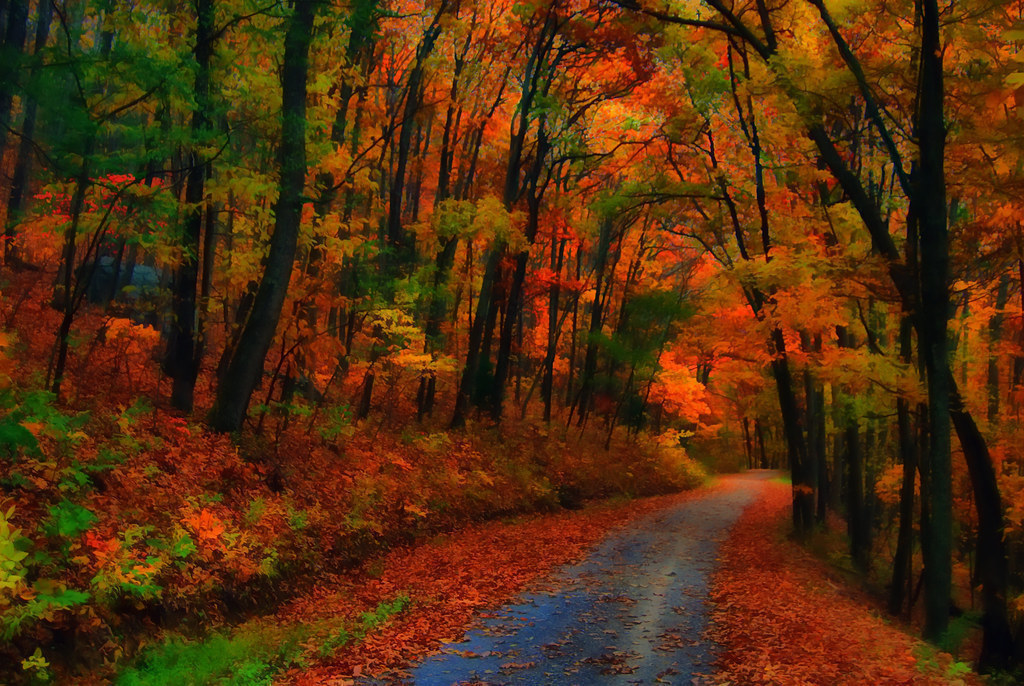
<point>286,283</point>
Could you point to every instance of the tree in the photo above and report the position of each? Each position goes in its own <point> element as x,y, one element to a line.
<point>925,190</point>
<point>246,366</point>
<point>185,348</point>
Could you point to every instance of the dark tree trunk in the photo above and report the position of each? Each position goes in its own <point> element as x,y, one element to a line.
<point>185,349</point>
<point>468,382</point>
<point>23,162</point>
<point>929,199</point>
<point>762,450</point>
<point>803,492</point>
<point>856,516</point>
<point>821,449</point>
<point>748,447</point>
<point>814,410</point>
<point>436,314</point>
<point>246,366</point>
<point>15,33</point>
<point>997,648</point>
<point>513,311</point>
<point>1018,360</point>
<point>480,336</point>
<point>68,297</point>
<point>548,381</point>
<point>583,397</point>
<point>366,396</point>
<point>445,259</point>
<point>398,240</point>
<point>535,81</point>
<point>857,524</point>
<point>570,382</point>
<point>902,575</point>
<point>995,334</point>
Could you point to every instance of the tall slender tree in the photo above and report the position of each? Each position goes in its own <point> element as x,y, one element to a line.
<point>246,367</point>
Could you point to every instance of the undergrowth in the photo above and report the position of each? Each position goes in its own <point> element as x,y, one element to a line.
<point>121,523</point>
<point>251,655</point>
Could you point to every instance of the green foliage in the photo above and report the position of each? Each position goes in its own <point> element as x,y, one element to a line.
<point>78,477</point>
<point>958,631</point>
<point>297,519</point>
<point>927,655</point>
<point>12,571</point>
<point>37,666</point>
<point>36,409</point>
<point>257,508</point>
<point>648,320</point>
<point>14,437</point>
<point>367,622</point>
<point>454,218</point>
<point>252,656</point>
<point>249,658</point>
<point>337,422</point>
<point>50,599</point>
<point>183,546</point>
<point>33,583</point>
<point>68,519</point>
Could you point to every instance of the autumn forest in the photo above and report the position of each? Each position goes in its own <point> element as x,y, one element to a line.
<point>290,288</point>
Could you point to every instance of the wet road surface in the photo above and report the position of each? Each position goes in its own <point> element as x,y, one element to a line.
<point>633,612</point>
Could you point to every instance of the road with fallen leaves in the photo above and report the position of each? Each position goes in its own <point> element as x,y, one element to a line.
<point>633,612</point>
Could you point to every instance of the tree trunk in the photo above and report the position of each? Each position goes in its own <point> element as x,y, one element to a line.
<point>183,353</point>
<point>246,367</point>
<point>548,382</point>
<point>397,238</point>
<point>15,33</point>
<point>445,259</point>
<point>583,397</point>
<point>570,382</point>
<point>1018,359</point>
<point>995,333</point>
<point>762,451</point>
<point>856,519</point>
<point>857,524</point>
<point>997,648</point>
<point>20,178</point>
<point>814,411</point>
<point>803,491</point>
<point>929,198</point>
<point>69,297</point>
<point>468,382</point>
<point>902,561</point>
<point>534,85</point>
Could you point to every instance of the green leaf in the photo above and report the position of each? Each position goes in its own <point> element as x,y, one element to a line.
<point>14,436</point>
<point>68,519</point>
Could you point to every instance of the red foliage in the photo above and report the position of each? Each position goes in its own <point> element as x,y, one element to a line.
<point>783,620</point>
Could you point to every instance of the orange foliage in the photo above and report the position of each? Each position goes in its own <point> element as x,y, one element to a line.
<point>783,620</point>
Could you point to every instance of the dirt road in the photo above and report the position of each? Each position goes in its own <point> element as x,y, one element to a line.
<point>633,612</point>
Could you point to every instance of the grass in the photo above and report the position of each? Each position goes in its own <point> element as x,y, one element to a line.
<point>252,655</point>
<point>344,635</point>
<point>247,658</point>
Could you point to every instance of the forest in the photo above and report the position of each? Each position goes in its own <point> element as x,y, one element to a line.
<point>286,285</point>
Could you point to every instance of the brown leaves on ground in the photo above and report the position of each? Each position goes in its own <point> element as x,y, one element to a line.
<point>782,620</point>
<point>451,579</point>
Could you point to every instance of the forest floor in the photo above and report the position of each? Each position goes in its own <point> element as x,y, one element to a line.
<point>783,616</point>
<point>556,599</point>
